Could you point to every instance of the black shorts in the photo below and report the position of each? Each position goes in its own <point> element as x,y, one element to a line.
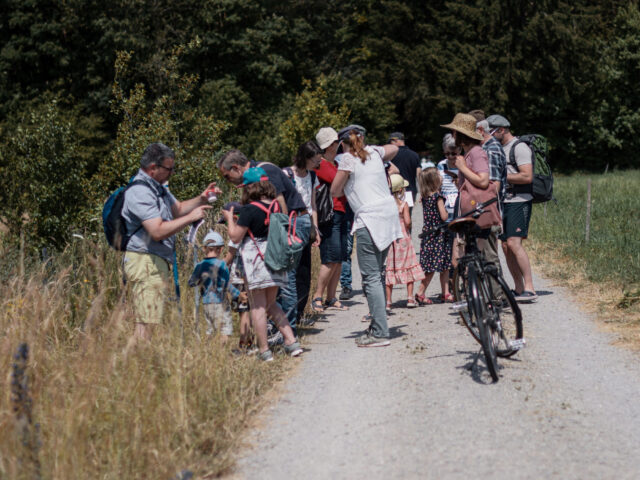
<point>515,219</point>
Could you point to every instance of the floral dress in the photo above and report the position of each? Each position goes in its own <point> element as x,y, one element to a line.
<point>435,249</point>
<point>402,263</point>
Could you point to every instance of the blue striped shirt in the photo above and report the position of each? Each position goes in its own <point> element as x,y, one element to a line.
<point>497,164</point>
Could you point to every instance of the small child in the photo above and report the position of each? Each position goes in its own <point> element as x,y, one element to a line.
<point>212,275</point>
<point>435,249</point>
<point>402,265</point>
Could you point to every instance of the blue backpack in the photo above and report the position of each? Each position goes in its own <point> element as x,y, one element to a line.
<point>114,225</point>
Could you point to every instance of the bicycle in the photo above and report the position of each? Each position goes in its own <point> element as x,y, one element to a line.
<point>493,318</point>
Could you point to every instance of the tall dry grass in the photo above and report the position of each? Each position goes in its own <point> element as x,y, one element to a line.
<point>105,409</point>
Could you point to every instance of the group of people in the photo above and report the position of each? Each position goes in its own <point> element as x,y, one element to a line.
<point>339,192</point>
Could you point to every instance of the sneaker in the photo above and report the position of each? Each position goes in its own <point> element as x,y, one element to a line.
<point>526,297</point>
<point>294,349</point>
<point>266,356</point>
<point>275,339</point>
<point>346,293</point>
<point>369,340</point>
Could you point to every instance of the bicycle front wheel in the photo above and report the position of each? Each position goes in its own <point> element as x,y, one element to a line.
<point>482,311</point>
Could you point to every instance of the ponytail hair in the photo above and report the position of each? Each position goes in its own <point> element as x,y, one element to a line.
<point>356,143</point>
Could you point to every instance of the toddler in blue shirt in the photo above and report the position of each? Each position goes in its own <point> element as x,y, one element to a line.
<point>212,275</point>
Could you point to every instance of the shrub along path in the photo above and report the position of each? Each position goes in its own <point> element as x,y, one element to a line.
<point>565,407</point>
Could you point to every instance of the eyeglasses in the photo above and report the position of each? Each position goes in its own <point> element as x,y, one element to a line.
<point>450,154</point>
<point>170,169</point>
<point>491,132</point>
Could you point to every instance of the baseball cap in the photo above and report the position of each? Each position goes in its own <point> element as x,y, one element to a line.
<point>396,136</point>
<point>498,121</point>
<point>253,175</point>
<point>344,133</point>
<point>213,239</point>
<point>325,137</point>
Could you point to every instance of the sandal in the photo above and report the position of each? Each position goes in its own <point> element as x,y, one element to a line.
<point>388,308</point>
<point>422,300</point>
<point>316,305</point>
<point>335,304</point>
<point>448,298</point>
<point>367,318</point>
<point>411,303</point>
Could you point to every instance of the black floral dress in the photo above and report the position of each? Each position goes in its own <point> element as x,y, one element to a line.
<point>435,248</point>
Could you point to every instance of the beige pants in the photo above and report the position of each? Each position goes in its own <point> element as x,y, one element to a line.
<point>148,278</point>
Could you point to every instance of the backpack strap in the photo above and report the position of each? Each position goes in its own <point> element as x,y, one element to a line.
<point>288,171</point>
<point>512,155</point>
<point>273,205</point>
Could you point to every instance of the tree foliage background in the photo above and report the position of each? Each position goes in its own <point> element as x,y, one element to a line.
<point>85,84</point>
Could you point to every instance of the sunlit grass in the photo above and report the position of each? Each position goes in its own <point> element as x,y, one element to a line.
<point>108,410</point>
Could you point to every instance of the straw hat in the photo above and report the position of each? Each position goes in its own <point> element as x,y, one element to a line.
<point>465,124</point>
<point>398,183</point>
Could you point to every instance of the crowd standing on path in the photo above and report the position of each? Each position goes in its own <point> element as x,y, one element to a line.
<point>337,189</point>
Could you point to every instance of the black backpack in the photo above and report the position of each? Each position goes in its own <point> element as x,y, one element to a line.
<point>324,202</point>
<point>114,225</point>
<point>541,188</point>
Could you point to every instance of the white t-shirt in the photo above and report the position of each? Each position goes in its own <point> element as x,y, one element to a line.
<point>368,181</point>
<point>449,188</point>
<point>523,157</point>
<point>304,187</point>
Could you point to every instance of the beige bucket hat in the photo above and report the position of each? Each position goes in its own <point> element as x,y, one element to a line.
<point>466,124</point>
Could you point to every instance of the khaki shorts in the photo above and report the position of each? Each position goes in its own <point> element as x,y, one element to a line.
<point>149,278</point>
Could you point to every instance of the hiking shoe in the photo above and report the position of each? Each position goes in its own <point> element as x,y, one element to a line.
<point>275,339</point>
<point>346,293</point>
<point>369,340</point>
<point>526,297</point>
<point>266,356</point>
<point>294,349</point>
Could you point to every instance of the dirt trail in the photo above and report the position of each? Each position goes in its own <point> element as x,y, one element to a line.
<point>565,407</point>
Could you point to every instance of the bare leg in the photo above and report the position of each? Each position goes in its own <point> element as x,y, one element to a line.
<point>521,259</point>
<point>326,270</point>
<point>425,283</point>
<point>334,280</point>
<point>444,283</point>
<point>388,289</point>
<point>278,316</point>
<point>143,331</point>
<point>410,291</point>
<point>245,329</point>
<point>258,301</point>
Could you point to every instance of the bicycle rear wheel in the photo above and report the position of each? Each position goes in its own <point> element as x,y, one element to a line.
<point>508,312</point>
<point>481,310</point>
<point>462,300</point>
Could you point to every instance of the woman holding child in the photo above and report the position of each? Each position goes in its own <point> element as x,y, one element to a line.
<point>251,230</point>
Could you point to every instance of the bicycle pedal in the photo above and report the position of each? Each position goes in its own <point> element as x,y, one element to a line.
<point>518,344</point>
<point>459,306</point>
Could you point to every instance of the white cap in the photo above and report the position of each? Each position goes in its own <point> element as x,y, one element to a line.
<point>213,239</point>
<point>326,136</point>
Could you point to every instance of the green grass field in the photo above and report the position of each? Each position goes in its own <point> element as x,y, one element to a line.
<point>613,251</point>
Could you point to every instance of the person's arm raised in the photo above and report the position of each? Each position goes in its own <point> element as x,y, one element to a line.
<point>160,229</point>
<point>180,209</point>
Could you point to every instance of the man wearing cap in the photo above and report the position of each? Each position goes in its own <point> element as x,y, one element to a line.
<point>516,207</point>
<point>337,242</point>
<point>408,163</point>
<point>152,217</point>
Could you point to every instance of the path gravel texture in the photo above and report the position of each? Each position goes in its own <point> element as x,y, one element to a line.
<point>565,407</point>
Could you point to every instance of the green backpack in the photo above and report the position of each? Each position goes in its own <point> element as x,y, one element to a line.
<point>284,248</point>
<point>541,187</point>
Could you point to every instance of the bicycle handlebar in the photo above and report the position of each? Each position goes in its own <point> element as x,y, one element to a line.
<point>475,213</point>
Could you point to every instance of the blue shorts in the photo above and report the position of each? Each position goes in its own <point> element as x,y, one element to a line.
<point>333,244</point>
<point>515,219</point>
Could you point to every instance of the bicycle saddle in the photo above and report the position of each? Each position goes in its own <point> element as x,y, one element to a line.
<point>462,225</point>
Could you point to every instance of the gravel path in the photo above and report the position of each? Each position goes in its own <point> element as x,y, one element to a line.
<point>565,407</point>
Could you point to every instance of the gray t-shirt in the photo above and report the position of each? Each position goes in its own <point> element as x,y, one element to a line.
<point>142,203</point>
<point>523,157</point>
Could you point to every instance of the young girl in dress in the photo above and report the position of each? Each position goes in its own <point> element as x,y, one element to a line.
<point>402,265</point>
<point>435,250</point>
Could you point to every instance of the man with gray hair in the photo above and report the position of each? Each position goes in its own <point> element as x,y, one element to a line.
<point>517,205</point>
<point>152,217</point>
<point>498,174</point>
